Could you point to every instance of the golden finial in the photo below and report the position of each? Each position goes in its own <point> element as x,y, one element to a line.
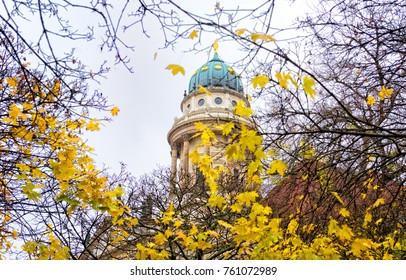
<point>215,46</point>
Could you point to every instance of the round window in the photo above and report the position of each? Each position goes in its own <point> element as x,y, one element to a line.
<point>200,102</point>
<point>218,100</point>
<point>234,103</point>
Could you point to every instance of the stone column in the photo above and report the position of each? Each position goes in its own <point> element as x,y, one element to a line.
<point>174,160</point>
<point>185,154</point>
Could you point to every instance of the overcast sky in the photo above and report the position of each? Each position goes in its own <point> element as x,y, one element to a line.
<point>149,98</point>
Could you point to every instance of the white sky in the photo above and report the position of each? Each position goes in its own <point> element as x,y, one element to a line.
<point>149,99</point>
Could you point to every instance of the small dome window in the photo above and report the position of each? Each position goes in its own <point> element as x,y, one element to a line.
<point>204,68</point>
<point>217,67</point>
<point>200,102</point>
<point>218,100</point>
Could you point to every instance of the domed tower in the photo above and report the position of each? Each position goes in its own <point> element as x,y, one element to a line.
<point>212,110</point>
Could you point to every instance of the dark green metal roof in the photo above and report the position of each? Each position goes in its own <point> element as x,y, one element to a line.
<point>215,73</point>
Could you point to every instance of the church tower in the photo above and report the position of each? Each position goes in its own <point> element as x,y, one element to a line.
<point>210,109</point>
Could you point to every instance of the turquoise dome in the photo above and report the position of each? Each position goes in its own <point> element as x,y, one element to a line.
<point>217,74</point>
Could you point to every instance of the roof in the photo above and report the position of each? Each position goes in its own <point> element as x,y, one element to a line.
<point>215,73</point>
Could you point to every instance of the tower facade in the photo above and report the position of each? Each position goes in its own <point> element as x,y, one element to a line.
<point>212,109</point>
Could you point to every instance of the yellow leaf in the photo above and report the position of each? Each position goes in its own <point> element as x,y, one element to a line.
<point>378,202</point>
<point>344,212</point>
<point>168,233</point>
<point>204,90</point>
<point>239,32</point>
<point>367,219</point>
<point>12,82</point>
<point>177,223</point>
<point>247,197</point>
<point>176,69</point>
<point>155,55</point>
<point>226,128</point>
<point>224,224</point>
<point>216,201</point>
<point>264,37</point>
<point>231,70</point>
<point>385,93</point>
<point>308,84</point>
<point>14,234</point>
<point>193,230</point>
<point>194,156</point>
<point>336,195</point>
<point>160,238</point>
<point>56,88</point>
<point>260,80</point>
<point>193,34</point>
<point>242,110</point>
<point>284,78</point>
<point>93,125</point>
<point>292,227</point>
<point>277,166</point>
<point>236,207</point>
<point>114,111</point>
<point>370,100</point>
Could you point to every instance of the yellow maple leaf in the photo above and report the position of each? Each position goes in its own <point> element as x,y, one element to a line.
<point>242,110</point>
<point>370,100</point>
<point>236,207</point>
<point>114,111</point>
<point>344,212</point>
<point>194,156</point>
<point>247,197</point>
<point>12,82</point>
<point>337,196</point>
<point>367,219</point>
<point>216,201</point>
<point>226,128</point>
<point>177,223</point>
<point>277,166</point>
<point>264,37</point>
<point>175,68</point>
<point>193,34</point>
<point>194,230</point>
<point>378,202</point>
<point>308,84</point>
<point>260,80</point>
<point>14,234</point>
<point>93,125</point>
<point>385,93</point>
<point>204,90</point>
<point>284,78</point>
<point>56,88</point>
<point>292,227</point>
<point>160,238</point>
<point>241,31</point>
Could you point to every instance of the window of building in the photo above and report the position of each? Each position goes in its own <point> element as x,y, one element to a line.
<point>218,100</point>
<point>234,103</point>
<point>200,102</point>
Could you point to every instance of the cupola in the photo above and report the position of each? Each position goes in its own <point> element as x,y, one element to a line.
<point>216,73</point>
